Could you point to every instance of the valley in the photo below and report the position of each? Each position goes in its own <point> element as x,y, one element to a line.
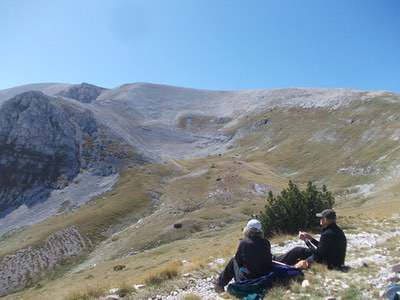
<point>165,177</point>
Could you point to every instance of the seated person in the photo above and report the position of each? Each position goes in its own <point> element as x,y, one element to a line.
<point>253,257</point>
<point>330,250</point>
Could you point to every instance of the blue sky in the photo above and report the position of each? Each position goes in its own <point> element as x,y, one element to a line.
<point>216,44</point>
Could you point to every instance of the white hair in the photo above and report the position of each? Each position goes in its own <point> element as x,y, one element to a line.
<point>252,232</point>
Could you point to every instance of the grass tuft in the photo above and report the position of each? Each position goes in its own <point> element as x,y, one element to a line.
<point>89,294</point>
<point>191,297</point>
<point>125,289</point>
<point>168,273</point>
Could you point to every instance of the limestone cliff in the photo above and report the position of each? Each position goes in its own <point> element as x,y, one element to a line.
<point>28,265</point>
<point>45,142</point>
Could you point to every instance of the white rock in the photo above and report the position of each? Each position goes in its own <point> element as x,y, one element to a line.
<point>305,283</point>
<point>260,189</point>
<point>113,297</point>
<point>220,261</point>
<point>139,286</point>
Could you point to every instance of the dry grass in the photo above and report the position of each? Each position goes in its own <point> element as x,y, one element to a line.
<point>167,273</point>
<point>191,297</point>
<point>92,293</point>
<point>128,198</point>
<point>125,289</point>
<point>212,225</point>
<point>88,294</point>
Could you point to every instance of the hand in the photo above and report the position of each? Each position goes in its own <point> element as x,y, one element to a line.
<point>302,264</point>
<point>304,236</point>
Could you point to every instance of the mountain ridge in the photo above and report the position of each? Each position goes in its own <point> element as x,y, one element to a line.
<point>151,156</point>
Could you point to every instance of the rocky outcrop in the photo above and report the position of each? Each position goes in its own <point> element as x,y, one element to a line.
<point>38,148</point>
<point>83,92</point>
<point>45,142</point>
<point>201,123</point>
<point>28,265</point>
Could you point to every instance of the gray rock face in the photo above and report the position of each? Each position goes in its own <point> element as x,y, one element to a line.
<point>29,264</point>
<point>44,143</point>
<point>38,148</point>
<point>83,92</point>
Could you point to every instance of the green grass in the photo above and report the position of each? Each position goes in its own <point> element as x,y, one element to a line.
<point>352,293</point>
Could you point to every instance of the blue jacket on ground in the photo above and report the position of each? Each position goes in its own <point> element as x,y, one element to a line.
<point>255,289</point>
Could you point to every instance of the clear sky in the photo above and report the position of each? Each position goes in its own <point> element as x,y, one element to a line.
<point>215,44</point>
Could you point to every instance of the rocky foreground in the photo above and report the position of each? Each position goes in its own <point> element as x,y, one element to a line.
<point>372,256</point>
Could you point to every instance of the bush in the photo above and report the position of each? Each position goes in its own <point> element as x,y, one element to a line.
<point>118,268</point>
<point>293,210</point>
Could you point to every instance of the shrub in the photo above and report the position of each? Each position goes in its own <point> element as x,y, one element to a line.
<point>293,210</point>
<point>118,268</point>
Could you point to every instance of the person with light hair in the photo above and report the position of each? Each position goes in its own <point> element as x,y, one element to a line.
<point>253,257</point>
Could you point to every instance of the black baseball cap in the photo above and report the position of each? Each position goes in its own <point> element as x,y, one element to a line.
<point>327,213</point>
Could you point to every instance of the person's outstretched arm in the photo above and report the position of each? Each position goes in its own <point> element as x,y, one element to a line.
<point>308,237</point>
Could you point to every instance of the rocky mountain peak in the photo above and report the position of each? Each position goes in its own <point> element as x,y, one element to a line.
<point>83,92</point>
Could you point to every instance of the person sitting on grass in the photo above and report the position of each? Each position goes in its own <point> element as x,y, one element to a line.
<point>253,257</point>
<point>329,250</point>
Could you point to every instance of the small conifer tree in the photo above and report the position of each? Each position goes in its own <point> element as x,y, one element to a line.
<point>293,210</point>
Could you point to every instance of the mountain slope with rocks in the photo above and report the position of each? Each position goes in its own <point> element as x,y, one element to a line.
<point>141,170</point>
<point>45,143</point>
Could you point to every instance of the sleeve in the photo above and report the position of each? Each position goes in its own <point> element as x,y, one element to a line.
<point>324,246</point>
<point>268,246</point>
<point>310,259</point>
<point>240,255</point>
<point>314,242</point>
<point>269,252</point>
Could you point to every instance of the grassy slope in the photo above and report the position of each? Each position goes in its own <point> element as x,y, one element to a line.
<point>185,200</point>
<point>129,199</point>
<point>313,144</point>
<point>212,197</point>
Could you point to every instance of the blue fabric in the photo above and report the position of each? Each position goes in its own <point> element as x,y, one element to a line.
<point>393,292</point>
<point>255,289</point>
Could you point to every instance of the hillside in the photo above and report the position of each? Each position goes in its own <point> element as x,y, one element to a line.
<point>154,175</point>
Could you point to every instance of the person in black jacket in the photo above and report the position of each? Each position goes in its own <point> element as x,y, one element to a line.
<point>329,250</point>
<point>253,257</point>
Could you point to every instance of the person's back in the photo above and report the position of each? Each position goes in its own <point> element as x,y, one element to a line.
<point>253,257</point>
<point>254,253</point>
